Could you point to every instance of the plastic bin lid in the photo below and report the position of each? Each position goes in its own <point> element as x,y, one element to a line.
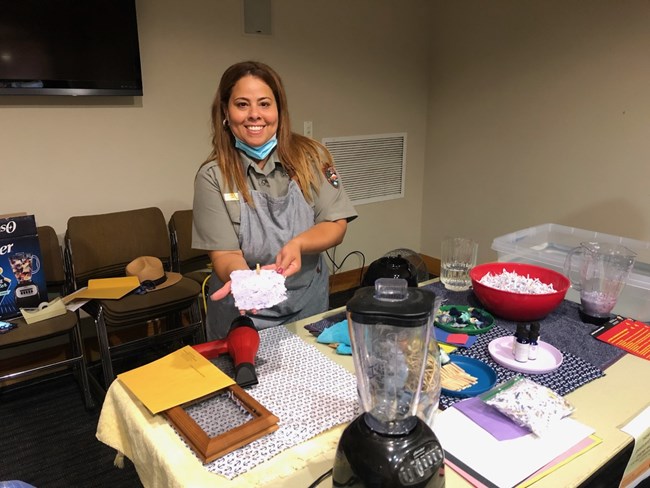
<point>548,244</point>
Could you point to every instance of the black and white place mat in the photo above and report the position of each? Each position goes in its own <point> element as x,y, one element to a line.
<point>562,328</point>
<point>307,391</point>
<point>584,357</point>
<point>572,373</point>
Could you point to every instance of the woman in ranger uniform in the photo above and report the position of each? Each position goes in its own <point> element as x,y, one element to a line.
<point>265,195</point>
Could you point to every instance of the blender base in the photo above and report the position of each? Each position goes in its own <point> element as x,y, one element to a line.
<point>590,319</point>
<point>365,458</point>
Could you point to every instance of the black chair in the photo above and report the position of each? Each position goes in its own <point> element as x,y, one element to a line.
<point>101,246</point>
<point>38,353</point>
<point>192,263</point>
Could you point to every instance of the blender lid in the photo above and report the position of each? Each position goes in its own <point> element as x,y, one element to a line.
<point>393,301</point>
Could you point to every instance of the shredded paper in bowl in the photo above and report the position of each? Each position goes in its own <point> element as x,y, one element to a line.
<point>514,283</point>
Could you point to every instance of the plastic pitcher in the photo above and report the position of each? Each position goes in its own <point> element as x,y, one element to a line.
<point>603,269</point>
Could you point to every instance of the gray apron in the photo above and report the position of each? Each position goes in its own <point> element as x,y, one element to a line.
<point>262,233</point>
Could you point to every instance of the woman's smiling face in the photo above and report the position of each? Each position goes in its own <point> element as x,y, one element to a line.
<point>252,111</point>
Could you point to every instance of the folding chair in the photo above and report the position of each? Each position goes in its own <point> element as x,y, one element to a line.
<point>192,263</point>
<point>101,246</point>
<point>28,336</point>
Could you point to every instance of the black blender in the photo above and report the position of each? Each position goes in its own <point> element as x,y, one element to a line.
<point>388,445</point>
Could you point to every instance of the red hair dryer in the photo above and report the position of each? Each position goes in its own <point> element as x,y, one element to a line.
<point>241,343</point>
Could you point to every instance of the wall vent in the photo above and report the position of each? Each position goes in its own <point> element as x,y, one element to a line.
<point>372,167</point>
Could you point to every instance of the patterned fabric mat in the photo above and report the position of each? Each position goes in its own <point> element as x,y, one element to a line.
<point>562,328</point>
<point>317,327</point>
<point>308,392</point>
<point>572,373</point>
<point>584,357</point>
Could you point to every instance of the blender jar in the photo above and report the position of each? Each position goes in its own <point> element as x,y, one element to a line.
<point>390,329</point>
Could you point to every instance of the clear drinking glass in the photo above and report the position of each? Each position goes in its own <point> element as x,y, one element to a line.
<point>458,256</point>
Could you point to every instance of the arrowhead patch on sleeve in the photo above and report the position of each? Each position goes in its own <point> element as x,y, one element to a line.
<point>331,176</point>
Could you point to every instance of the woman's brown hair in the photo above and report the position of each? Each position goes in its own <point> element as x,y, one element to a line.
<point>303,158</point>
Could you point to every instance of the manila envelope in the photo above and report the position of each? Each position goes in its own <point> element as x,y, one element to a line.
<point>180,377</point>
<point>105,289</point>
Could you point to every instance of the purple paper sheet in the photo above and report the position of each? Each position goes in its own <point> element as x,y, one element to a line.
<point>490,419</point>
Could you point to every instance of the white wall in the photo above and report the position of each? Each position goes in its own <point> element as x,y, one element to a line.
<point>353,68</point>
<point>525,113</point>
<point>539,112</point>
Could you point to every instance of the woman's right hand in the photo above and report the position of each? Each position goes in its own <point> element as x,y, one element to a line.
<point>222,292</point>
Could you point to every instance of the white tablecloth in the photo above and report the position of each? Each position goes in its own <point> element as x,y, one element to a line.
<point>309,393</point>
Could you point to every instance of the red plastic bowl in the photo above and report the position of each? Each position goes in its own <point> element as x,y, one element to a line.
<point>519,307</point>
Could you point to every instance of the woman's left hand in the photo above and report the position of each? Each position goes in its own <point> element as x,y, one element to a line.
<point>289,261</point>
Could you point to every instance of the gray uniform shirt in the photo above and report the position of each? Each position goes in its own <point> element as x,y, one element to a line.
<point>216,212</point>
<point>223,222</point>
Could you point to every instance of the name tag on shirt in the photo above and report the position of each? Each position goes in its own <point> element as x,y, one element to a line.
<point>231,197</point>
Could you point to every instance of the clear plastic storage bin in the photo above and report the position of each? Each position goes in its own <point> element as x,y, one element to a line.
<point>548,244</point>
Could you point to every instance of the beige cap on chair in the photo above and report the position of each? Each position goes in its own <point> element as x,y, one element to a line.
<point>150,269</point>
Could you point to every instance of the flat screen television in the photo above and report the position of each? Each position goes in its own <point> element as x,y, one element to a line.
<point>69,47</point>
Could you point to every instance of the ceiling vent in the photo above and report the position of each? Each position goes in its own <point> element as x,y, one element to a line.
<point>372,167</point>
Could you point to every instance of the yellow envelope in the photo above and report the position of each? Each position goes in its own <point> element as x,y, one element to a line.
<point>175,379</point>
<point>105,289</point>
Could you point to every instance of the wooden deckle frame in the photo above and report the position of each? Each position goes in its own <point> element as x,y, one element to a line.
<point>210,448</point>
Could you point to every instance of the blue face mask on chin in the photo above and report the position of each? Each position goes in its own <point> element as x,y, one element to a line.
<point>260,152</point>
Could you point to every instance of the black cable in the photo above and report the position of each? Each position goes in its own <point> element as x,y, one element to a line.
<point>339,266</point>
<point>321,478</point>
<point>331,259</point>
<point>363,266</point>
